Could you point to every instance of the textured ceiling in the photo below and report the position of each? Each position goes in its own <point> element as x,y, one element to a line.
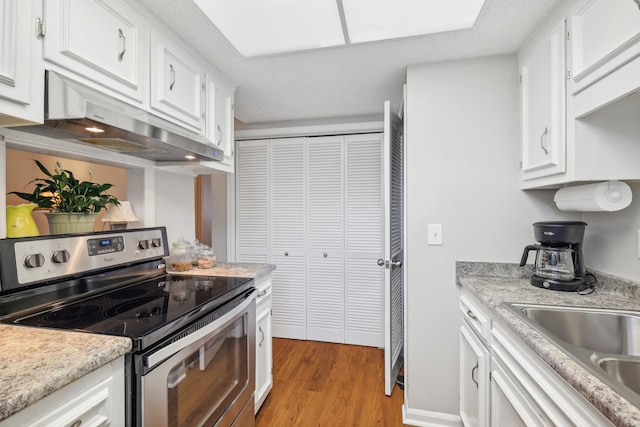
<point>349,80</point>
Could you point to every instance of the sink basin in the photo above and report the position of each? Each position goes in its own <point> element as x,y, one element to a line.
<point>602,331</point>
<point>605,342</point>
<point>624,371</point>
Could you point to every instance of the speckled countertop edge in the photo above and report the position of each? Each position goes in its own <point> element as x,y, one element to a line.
<point>35,362</point>
<point>232,269</point>
<point>495,283</point>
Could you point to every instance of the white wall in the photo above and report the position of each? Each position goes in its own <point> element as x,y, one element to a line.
<point>462,172</point>
<point>611,239</point>
<point>174,205</point>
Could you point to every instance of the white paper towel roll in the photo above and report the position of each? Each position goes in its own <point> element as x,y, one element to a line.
<point>602,197</point>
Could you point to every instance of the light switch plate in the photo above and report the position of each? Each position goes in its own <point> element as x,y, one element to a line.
<point>435,234</point>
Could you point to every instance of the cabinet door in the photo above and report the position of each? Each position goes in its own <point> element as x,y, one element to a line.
<point>15,23</point>
<point>252,202</point>
<point>543,106</point>
<point>177,83</point>
<point>474,379</point>
<point>101,40</point>
<point>325,244</point>
<point>264,378</point>
<point>287,237</point>
<point>597,45</point>
<point>21,84</point>
<point>509,405</point>
<point>219,125</point>
<point>364,240</point>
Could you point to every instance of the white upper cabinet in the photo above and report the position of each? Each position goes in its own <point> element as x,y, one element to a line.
<point>177,83</point>
<point>219,118</point>
<point>104,41</point>
<point>542,105</point>
<point>20,86</point>
<point>604,36</point>
<point>578,120</point>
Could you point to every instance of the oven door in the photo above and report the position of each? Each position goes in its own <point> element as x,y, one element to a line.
<point>207,377</point>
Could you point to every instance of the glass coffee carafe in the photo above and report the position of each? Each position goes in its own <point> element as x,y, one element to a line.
<point>555,263</point>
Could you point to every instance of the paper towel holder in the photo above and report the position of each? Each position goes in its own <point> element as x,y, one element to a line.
<point>605,196</point>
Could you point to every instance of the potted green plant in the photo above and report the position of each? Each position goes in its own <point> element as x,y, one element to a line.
<point>74,204</point>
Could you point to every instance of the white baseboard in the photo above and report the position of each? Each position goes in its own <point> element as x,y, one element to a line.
<point>417,417</point>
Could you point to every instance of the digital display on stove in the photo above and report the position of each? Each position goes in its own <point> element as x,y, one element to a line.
<point>105,242</point>
<point>105,245</point>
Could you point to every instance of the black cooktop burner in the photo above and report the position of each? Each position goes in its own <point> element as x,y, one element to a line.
<point>72,313</point>
<point>140,310</point>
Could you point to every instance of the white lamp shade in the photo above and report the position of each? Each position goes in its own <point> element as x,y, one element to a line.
<point>120,213</point>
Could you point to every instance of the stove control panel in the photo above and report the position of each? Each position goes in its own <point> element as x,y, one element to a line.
<point>47,258</point>
<point>105,245</point>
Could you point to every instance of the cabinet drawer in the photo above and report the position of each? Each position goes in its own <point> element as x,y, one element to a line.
<point>102,41</point>
<point>476,318</point>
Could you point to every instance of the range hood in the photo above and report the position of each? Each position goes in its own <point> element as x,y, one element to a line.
<point>71,108</point>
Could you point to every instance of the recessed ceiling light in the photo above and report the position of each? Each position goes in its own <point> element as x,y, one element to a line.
<point>371,20</point>
<point>261,27</point>
<point>190,157</point>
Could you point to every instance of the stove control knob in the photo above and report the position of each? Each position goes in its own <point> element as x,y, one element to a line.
<point>34,261</point>
<point>60,257</point>
<point>143,244</point>
<point>156,243</point>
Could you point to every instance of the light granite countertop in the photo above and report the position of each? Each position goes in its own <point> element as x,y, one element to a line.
<point>232,269</point>
<point>35,362</point>
<point>494,284</point>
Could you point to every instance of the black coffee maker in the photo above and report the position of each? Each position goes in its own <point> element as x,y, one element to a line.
<point>559,264</point>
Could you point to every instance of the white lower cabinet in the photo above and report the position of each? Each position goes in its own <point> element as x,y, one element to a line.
<point>96,399</point>
<point>264,349</point>
<point>519,388</point>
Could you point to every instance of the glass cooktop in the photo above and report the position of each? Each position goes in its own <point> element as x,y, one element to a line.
<point>135,311</point>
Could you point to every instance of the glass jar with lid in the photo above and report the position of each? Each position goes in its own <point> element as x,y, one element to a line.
<point>181,256</point>
<point>206,258</point>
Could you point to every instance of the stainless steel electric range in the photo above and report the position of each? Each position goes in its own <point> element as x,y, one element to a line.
<point>193,337</point>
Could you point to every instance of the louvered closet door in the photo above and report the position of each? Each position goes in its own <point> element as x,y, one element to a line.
<point>252,190</point>
<point>287,228</point>
<point>364,240</point>
<point>325,239</point>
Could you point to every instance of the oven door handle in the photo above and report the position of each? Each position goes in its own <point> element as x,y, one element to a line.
<point>155,358</point>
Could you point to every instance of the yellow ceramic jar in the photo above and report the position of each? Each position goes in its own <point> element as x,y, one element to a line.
<point>20,223</point>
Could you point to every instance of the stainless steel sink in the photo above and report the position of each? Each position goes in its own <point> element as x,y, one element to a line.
<point>605,342</point>
<point>625,371</point>
<point>603,331</point>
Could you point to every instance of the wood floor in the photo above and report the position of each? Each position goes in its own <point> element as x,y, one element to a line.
<point>318,384</point>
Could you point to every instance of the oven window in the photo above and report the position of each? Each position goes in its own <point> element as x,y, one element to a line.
<point>203,384</point>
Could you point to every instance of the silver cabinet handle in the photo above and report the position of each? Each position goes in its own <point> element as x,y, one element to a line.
<point>380,262</point>
<point>218,135</point>
<point>262,334</point>
<point>173,77</point>
<point>325,255</point>
<point>471,315</point>
<point>396,264</point>
<point>638,3</point>
<point>543,138</point>
<point>473,375</point>
<point>262,293</point>
<point>124,45</point>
